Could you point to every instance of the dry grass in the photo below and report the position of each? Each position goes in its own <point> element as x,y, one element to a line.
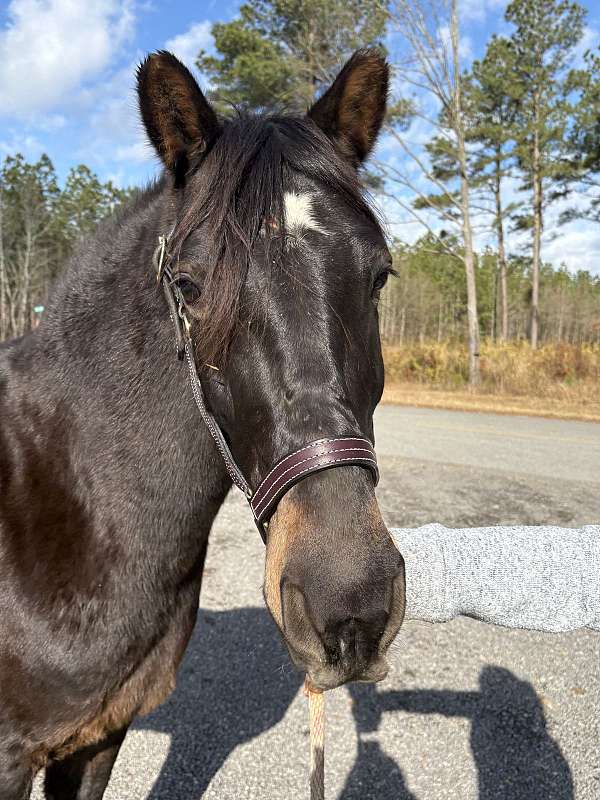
<point>556,380</point>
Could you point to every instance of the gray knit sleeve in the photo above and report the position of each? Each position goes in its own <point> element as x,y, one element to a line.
<point>539,578</point>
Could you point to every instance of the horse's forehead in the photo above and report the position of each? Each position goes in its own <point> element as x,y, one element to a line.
<point>300,213</point>
<point>309,208</point>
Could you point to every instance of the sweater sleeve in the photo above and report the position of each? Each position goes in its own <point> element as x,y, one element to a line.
<point>538,578</point>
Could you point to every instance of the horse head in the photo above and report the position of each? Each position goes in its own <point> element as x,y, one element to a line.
<point>281,261</point>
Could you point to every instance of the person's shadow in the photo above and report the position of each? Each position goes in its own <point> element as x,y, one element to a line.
<point>515,756</point>
<point>234,683</point>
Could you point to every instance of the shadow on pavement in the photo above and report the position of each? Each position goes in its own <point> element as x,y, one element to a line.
<point>515,757</point>
<point>236,682</point>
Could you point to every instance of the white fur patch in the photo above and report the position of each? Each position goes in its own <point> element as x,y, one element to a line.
<point>299,214</point>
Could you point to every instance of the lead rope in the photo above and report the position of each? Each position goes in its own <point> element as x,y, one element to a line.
<point>316,716</point>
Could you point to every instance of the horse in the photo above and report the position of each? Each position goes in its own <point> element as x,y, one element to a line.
<point>109,478</point>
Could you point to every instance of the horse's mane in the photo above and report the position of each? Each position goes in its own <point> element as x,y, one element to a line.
<point>240,185</point>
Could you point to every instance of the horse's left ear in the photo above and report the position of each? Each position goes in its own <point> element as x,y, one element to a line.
<point>352,110</point>
<point>179,120</point>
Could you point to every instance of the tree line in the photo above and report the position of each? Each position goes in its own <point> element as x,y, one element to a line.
<point>40,224</point>
<point>428,299</point>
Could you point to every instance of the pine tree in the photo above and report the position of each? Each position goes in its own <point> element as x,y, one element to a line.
<point>85,201</point>
<point>491,110</point>
<point>39,227</point>
<point>584,142</point>
<point>280,53</point>
<point>28,197</point>
<point>544,37</point>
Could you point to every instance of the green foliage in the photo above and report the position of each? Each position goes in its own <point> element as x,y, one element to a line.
<point>489,110</point>
<point>85,201</point>
<point>584,139</point>
<point>543,86</point>
<point>40,224</point>
<point>522,96</point>
<point>283,52</point>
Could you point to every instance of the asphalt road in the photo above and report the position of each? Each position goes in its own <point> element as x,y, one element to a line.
<point>471,712</point>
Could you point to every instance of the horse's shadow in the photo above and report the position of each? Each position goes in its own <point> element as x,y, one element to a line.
<point>235,683</point>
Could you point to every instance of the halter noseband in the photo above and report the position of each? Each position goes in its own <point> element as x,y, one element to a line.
<point>316,456</point>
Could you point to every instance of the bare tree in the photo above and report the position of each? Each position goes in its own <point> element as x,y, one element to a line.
<point>431,64</point>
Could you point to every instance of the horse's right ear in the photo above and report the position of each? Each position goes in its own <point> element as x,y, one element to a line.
<point>179,120</point>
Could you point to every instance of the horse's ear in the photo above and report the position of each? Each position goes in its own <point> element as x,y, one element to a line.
<point>179,121</point>
<point>352,110</point>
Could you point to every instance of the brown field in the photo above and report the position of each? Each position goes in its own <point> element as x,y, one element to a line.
<point>557,380</point>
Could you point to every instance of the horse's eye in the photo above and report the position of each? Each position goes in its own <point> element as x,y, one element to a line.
<point>381,280</point>
<point>188,287</point>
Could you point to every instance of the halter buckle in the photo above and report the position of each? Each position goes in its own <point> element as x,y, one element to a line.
<point>159,257</point>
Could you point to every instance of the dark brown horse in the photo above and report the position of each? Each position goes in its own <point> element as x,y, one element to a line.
<point>110,481</point>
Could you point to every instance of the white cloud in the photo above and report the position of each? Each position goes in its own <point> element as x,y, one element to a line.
<point>478,10</point>
<point>577,246</point>
<point>186,46</point>
<point>48,48</point>
<point>138,152</point>
<point>114,133</point>
<point>25,143</point>
<point>465,46</point>
<point>590,40</point>
<point>113,129</point>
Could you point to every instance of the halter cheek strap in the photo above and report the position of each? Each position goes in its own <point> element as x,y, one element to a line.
<point>313,457</point>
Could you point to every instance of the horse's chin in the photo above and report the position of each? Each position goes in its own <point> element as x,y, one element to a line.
<point>330,677</point>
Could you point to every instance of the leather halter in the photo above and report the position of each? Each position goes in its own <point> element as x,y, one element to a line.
<point>314,457</point>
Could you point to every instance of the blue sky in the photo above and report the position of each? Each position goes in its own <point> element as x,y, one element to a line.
<point>66,89</point>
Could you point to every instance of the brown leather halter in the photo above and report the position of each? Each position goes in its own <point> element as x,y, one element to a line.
<point>313,457</point>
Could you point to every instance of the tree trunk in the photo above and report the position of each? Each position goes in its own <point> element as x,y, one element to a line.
<point>25,280</point>
<point>469,258</point>
<point>494,320</point>
<point>3,309</point>
<point>561,312</point>
<point>501,252</point>
<point>537,229</point>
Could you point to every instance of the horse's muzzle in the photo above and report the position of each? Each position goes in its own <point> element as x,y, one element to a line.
<point>334,580</point>
<point>343,649</point>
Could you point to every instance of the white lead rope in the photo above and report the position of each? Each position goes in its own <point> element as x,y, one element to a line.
<point>316,715</point>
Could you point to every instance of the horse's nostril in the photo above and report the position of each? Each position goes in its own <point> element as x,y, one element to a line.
<point>347,639</point>
<point>347,633</point>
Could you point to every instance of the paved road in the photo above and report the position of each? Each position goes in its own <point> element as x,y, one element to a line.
<point>471,712</point>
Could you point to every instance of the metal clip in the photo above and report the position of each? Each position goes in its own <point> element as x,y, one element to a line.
<point>184,318</point>
<point>159,257</point>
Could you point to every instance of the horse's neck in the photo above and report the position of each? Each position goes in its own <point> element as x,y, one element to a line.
<point>136,443</point>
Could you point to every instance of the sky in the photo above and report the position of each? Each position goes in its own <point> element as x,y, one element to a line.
<point>67,89</point>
